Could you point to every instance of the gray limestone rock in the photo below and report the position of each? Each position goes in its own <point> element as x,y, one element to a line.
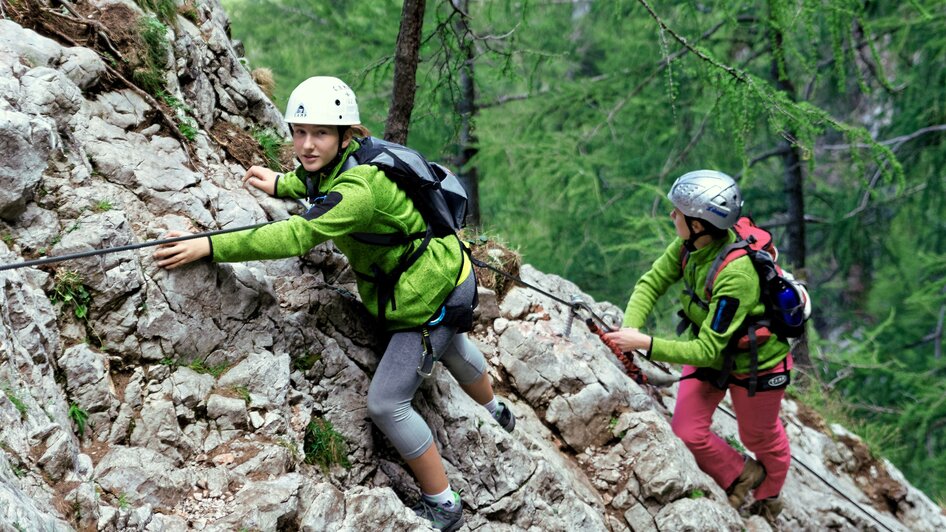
<point>90,165</point>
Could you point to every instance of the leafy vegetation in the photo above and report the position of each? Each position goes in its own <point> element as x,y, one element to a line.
<point>165,10</point>
<point>197,365</point>
<point>186,123</point>
<point>215,370</point>
<point>79,417</point>
<point>243,393</point>
<point>15,400</point>
<point>735,443</point>
<point>150,74</point>
<point>69,290</point>
<point>324,446</point>
<point>272,145</point>
<point>305,361</point>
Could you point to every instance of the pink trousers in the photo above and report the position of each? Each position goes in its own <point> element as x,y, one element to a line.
<point>760,430</point>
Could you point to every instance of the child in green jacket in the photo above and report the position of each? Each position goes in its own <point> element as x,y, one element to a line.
<point>434,295</point>
<point>707,204</point>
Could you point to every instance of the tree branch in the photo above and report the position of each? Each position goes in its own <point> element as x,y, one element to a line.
<point>895,142</point>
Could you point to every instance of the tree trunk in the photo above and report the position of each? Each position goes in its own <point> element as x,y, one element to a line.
<point>794,198</point>
<point>466,109</point>
<point>405,71</point>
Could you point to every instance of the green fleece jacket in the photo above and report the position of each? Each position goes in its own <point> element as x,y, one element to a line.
<point>360,200</point>
<point>735,296</point>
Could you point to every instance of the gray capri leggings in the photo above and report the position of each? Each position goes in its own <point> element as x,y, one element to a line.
<point>396,380</point>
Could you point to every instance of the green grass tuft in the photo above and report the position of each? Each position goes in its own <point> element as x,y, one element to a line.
<point>272,145</point>
<point>15,399</point>
<point>324,446</point>
<point>164,9</point>
<point>79,417</point>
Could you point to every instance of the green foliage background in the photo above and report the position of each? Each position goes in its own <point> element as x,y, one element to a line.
<point>589,109</point>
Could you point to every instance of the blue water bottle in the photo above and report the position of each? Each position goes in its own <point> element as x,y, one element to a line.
<point>790,305</point>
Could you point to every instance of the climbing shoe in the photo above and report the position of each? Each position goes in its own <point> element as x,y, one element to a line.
<point>768,508</point>
<point>752,475</point>
<point>504,416</point>
<point>443,517</point>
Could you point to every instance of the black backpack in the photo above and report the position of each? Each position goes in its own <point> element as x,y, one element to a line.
<point>435,191</point>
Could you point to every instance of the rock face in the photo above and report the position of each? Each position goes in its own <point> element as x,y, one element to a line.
<point>136,398</point>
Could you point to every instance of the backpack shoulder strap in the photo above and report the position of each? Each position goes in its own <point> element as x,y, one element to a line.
<point>726,255</point>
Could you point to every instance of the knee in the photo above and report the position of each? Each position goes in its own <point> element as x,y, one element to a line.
<point>691,436</point>
<point>763,441</point>
<point>381,410</point>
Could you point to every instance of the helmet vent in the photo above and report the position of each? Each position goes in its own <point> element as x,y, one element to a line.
<point>338,102</point>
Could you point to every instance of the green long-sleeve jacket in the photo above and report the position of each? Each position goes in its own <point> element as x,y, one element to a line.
<point>360,200</point>
<point>735,296</point>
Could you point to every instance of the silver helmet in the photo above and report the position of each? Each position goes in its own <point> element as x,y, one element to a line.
<point>707,195</point>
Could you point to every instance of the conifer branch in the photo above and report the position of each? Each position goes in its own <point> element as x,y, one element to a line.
<point>779,103</point>
<point>895,142</point>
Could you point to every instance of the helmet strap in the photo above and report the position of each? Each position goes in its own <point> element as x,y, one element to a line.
<point>690,243</point>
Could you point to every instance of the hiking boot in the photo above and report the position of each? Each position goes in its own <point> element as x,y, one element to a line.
<point>442,517</point>
<point>752,475</point>
<point>504,416</point>
<point>768,508</point>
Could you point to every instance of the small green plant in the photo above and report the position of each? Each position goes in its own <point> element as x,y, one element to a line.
<point>168,361</point>
<point>186,123</point>
<point>201,367</point>
<point>148,79</point>
<point>150,74</point>
<point>272,145</point>
<point>243,393</point>
<point>79,417</point>
<point>18,471</point>
<point>735,443</point>
<point>305,362</point>
<point>7,239</point>
<point>15,399</point>
<point>102,206</point>
<point>68,289</point>
<point>122,501</point>
<point>324,446</point>
<point>77,508</point>
<point>164,9</point>
<point>189,11</point>
<point>696,494</point>
<point>188,129</point>
<point>291,446</point>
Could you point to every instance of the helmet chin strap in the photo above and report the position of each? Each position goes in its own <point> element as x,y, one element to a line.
<point>690,243</point>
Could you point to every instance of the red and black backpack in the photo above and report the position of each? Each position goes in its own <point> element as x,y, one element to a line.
<point>787,305</point>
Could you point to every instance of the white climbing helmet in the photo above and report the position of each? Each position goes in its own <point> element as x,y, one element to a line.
<point>708,195</point>
<point>323,100</point>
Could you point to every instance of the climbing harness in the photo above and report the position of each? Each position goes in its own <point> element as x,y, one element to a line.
<point>129,247</point>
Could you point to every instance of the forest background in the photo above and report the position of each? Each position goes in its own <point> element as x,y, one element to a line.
<point>570,118</point>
